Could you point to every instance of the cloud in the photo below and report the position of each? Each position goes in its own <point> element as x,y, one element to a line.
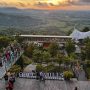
<point>15,3</point>
<point>43,3</point>
<point>85,1</point>
<point>23,4</point>
<point>67,3</point>
<point>78,2</point>
<point>40,4</point>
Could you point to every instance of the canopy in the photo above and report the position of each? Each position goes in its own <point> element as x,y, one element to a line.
<point>79,35</point>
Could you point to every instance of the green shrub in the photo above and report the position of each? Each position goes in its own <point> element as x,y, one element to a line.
<point>39,68</point>
<point>27,60</point>
<point>15,69</point>
<point>68,75</point>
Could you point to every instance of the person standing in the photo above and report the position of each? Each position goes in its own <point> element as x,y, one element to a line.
<point>76,88</point>
<point>6,78</point>
<point>12,79</point>
<point>38,75</point>
<point>9,85</point>
<point>41,76</point>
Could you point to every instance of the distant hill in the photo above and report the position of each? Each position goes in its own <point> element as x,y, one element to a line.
<point>32,21</point>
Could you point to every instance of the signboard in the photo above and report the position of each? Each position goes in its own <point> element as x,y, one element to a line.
<point>58,76</point>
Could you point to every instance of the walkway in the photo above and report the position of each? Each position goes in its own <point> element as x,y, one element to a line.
<point>80,73</point>
<point>82,76</point>
<point>9,57</point>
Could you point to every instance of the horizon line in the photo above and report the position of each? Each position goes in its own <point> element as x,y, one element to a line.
<point>46,9</point>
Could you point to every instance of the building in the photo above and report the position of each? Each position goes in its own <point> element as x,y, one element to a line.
<point>45,40</point>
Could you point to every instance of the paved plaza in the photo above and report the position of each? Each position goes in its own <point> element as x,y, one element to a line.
<point>32,84</point>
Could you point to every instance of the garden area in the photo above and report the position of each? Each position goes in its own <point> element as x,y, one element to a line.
<point>52,58</point>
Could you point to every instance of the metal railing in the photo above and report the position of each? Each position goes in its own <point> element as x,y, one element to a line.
<point>7,64</point>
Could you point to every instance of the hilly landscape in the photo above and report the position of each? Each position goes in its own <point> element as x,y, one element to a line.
<point>30,21</point>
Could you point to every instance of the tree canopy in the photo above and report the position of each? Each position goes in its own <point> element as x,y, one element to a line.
<point>53,49</point>
<point>86,29</point>
<point>70,47</point>
<point>4,41</point>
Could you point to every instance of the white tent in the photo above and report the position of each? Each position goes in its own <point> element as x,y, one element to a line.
<point>79,35</point>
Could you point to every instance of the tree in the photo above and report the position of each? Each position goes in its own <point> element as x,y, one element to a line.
<point>39,68</point>
<point>72,59</point>
<point>53,49</point>
<point>86,29</point>
<point>15,69</point>
<point>73,56</point>
<point>87,48</point>
<point>29,50</point>
<point>37,56</point>
<point>67,60</point>
<point>70,47</point>
<point>20,62</point>
<point>46,56</point>
<point>68,75</point>
<point>87,63</point>
<point>60,58</point>
<point>4,41</point>
<point>86,40</point>
<point>18,38</point>
<point>69,32</point>
<point>83,55</point>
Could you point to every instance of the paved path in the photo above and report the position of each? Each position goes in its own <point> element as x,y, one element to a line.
<point>82,76</point>
<point>80,73</point>
<point>29,68</point>
<point>29,84</point>
<point>32,84</point>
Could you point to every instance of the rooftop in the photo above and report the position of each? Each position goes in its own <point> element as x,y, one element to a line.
<point>46,36</point>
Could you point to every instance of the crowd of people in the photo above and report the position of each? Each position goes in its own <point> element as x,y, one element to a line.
<point>9,81</point>
<point>10,53</point>
<point>7,57</point>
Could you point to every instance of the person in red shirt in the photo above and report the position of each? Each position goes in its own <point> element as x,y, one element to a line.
<point>9,86</point>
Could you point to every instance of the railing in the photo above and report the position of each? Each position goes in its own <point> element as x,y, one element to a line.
<point>48,76</point>
<point>7,63</point>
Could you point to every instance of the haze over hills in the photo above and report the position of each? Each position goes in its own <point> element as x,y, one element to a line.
<point>31,21</point>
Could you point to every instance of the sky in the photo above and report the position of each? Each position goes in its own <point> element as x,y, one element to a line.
<point>47,4</point>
